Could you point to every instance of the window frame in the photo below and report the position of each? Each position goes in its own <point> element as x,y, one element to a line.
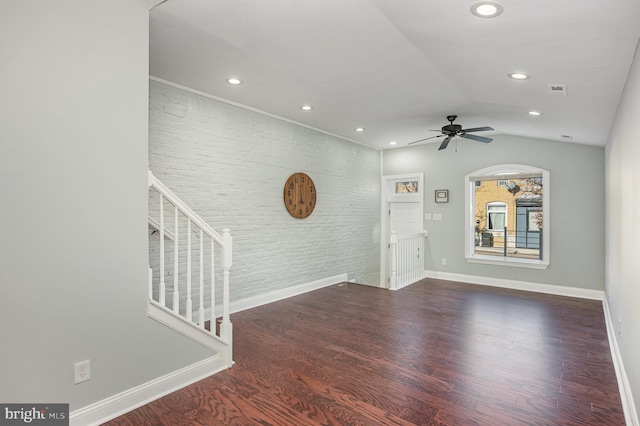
<point>506,171</point>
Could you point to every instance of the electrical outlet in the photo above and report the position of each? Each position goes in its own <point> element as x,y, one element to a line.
<point>82,371</point>
<point>444,261</point>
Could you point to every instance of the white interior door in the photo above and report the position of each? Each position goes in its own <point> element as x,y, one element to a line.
<point>401,211</point>
<point>405,218</point>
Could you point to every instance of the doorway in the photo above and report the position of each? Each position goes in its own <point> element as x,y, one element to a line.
<point>402,212</point>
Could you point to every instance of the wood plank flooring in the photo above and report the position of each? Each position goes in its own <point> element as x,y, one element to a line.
<point>433,353</point>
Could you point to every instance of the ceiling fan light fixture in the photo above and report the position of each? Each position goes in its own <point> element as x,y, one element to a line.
<point>519,76</point>
<point>487,9</point>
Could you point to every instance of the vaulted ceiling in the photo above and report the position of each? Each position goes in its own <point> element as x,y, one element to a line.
<point>397,68</point>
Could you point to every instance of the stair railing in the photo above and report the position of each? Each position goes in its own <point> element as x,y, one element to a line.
<point>189,265</point>
<point>407,259</point>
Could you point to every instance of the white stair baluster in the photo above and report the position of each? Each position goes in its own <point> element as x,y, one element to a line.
<point>212,319</point>
<point>226,327</point>
<point>201,286</point>
<point>161,299</point>
<point>416,249</point>
<point>406,256</point>
<point>176,293</point>
<point>402,261</point>
<point>416,258</point>
<point>150,283</point>
<point>408,259</point>
<point>189,312</point>
<point>416,272</point>
<point>394,260</point>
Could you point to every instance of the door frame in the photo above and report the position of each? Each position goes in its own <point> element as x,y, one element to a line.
<point>388,195</point>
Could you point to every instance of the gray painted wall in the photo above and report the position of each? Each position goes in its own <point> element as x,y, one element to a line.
<point>623,226</point>
<point>73,254</point>
<point>577,203</point>
<point>229,164</point>
<point>73,173</point>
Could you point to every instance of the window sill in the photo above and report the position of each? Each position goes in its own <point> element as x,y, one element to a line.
<point>508,261</point>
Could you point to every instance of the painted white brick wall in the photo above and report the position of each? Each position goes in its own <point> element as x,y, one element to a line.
<point>230,164</point>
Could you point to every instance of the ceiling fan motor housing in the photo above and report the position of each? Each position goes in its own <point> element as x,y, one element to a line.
<point>451,129</point>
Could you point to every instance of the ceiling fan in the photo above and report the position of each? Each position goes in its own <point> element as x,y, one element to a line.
<point>451,130</point>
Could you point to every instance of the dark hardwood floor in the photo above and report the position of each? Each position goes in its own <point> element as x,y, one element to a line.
<point>434,353</point>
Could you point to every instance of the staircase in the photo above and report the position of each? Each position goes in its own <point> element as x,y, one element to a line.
<point>189,272</point>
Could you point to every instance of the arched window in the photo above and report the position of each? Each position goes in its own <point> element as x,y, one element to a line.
<point>505,207</point>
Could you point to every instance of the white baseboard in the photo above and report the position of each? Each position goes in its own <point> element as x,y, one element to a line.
<point>274,296</point>
<point>630,413</point>
<point>119,404</point>
<point>558,290</point>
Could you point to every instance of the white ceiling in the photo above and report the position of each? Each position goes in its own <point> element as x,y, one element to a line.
<point>398,67</point>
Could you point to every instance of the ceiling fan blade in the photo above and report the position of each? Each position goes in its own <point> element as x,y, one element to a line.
<point>476,138</point>
<point>425,139</point>
<point>478,129</point>
<point>444,143</point>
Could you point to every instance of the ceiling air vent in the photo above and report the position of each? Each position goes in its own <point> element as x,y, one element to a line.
<point>558,89</point>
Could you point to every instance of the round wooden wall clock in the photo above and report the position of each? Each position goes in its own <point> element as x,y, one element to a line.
<point>299,195</point>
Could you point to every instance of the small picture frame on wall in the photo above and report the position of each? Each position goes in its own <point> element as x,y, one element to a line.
<point>442,195</point>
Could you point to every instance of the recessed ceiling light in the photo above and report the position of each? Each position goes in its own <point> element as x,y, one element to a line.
<point>392,143</point>
<point>519,76</point>
<point>487,9</point>
<point>536,113</point>
<point>234,81</point>
<point>359,129</point>
<point>306,107</point>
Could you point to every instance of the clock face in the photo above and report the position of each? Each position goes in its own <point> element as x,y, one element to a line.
<point>299,195</point>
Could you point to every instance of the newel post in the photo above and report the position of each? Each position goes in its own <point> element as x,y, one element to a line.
<point>394,260</point>
<point>226,330</point>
